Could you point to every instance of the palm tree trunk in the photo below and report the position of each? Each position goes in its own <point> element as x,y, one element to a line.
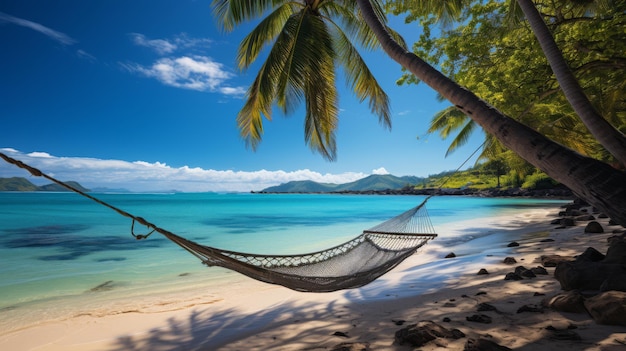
<point>598,183</point>
<point>611,138</point>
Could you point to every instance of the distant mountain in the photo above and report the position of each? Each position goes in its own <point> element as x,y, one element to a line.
<point>372,182</point>
<point>22,184</point>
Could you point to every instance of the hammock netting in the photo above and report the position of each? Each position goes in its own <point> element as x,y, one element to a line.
<point>350,265</point>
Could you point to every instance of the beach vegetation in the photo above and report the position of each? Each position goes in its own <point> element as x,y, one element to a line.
<point>577,171</point>
<point>503,63</point>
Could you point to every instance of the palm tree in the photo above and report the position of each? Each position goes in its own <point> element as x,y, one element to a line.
<point>310,40</point>
<point>592,180</point>
<point>595,181</point>
<point>611,138</point>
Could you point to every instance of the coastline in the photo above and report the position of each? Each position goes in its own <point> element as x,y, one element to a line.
<point>255,316</point>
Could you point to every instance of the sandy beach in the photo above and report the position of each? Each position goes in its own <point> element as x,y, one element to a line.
<point>249,315</point>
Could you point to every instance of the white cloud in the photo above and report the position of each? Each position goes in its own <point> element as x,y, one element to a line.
<point>159,45</point>
<point>168,46</point>
<point>404,113</point>
<point>380,171</point>
<point>199,73</point>
<point>158,176</point>
<point>51,33</point>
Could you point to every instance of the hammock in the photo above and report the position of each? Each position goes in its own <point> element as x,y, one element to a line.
<point>350,265</point>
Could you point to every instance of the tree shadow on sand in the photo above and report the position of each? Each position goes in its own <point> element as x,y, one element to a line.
<point>301,324</point>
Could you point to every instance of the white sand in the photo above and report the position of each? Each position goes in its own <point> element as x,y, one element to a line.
<point>249,315</point>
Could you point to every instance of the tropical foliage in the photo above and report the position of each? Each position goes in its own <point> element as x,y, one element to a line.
<point>502,63</point>
<point>308,42</point>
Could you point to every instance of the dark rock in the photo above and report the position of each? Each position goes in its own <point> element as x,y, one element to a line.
<point>530,308</point>
<point>423,332</point>
<point>590,255</point>
<point>616,252</point>
<point>351,346</point>
<point>483,345</point>
<point>341,334</point>
<point>570,301</point>
<point>608,307</point>
<point>513,244</point>
<point>398,321</point>
<point>513,276</point>
<point>446,320</point>
<point>510,260</point>
<point>548,240</point>
<point>539,271</point>
<point>614,282</point>
<point>565,335</point>
<point>553,260</point>
<point>482,307</point>
<point>482,271</point>
<point>586,275</point>
<point>524,272</point>
<point>538,294</point>
<point>567,222</point>
<point>450,255</point>
<point>594,227</point>
<point>479,318</point>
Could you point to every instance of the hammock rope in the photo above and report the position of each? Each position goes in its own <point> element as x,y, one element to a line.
<point>350,265</point>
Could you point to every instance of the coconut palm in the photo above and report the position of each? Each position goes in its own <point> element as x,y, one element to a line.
<point>595,181</point>
<point>611,138</point>
<point>283,79</point>
<point>310,40</point>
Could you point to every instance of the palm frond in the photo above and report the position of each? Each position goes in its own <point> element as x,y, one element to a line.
<point>258,105</point>
<point>361,79</point>
<point>230,13</point>
<point>263,34</point>
<point>447,121</point>
<point>461,138</point>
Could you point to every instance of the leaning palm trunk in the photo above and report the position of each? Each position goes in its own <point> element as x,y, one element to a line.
<point>611,138</point>
<point>595,181</point>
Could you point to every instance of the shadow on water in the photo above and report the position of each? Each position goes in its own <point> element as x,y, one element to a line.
<point>253,223</point>
<point>72,245</point>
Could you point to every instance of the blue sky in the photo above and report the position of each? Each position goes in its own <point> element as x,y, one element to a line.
<point>143,95</point>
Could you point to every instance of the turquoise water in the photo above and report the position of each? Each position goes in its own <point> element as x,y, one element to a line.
<point>62,254</point>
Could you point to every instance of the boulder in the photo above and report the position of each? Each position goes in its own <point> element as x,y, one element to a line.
<point>614,282</point>
<point>608,308</point>
<point>510,260</point>
<point>419,334</point>
<point>585,275</point>
<point>483,345</point>
<point>450,255</point>
<point>616,252</point>
<point>570,301</point>
<point>594,227</point>
<point>553,260</point>
<point>590,255</point>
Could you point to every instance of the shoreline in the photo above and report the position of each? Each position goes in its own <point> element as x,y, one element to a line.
<point>259,316</point>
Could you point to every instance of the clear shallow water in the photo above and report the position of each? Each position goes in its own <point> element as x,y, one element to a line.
<point>63,255</point>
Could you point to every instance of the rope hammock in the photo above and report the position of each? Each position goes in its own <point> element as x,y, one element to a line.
<point>350,265</point>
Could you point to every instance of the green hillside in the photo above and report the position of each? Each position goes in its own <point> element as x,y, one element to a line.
<point>23,184</point>
<point>372,182</point>
<point>16,184</point>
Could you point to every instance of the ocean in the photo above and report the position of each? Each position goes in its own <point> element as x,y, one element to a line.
<point>62,255</point>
